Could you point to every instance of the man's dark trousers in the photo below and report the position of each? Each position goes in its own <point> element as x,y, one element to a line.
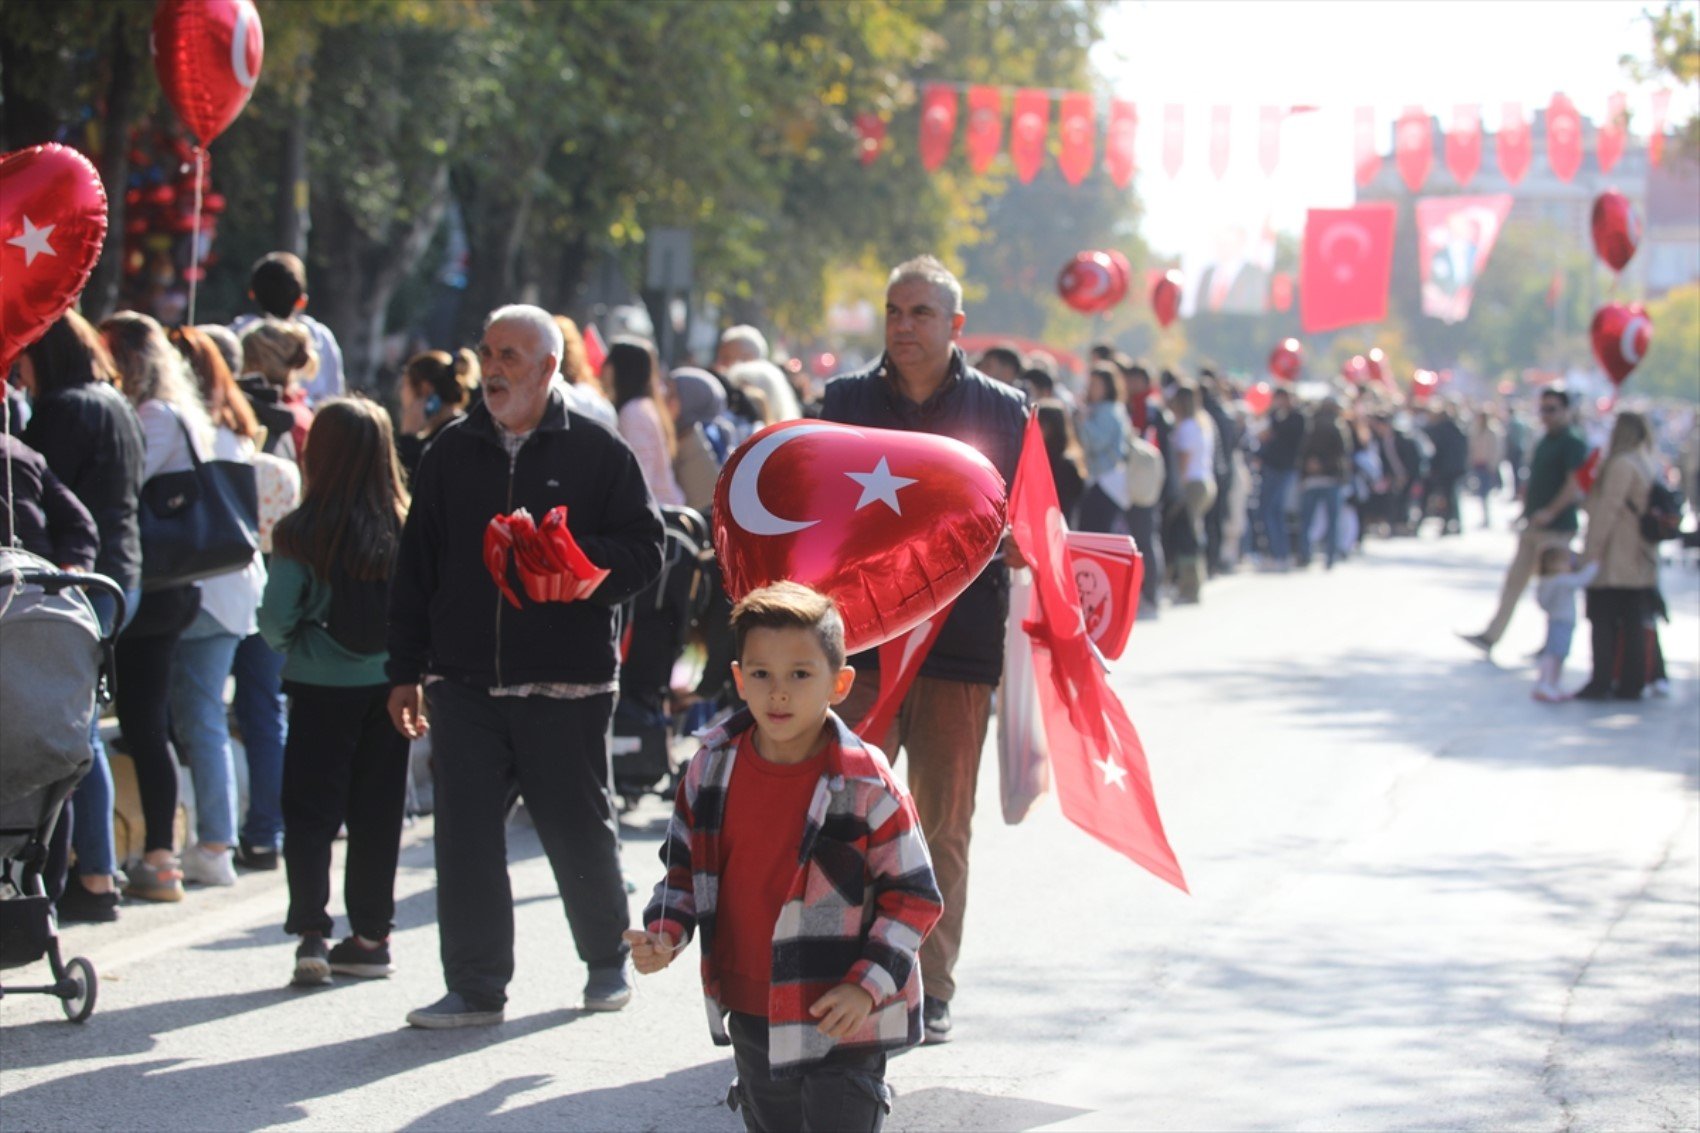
<point>556,751</point>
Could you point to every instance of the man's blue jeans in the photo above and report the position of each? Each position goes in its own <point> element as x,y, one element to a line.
<point>1277,485</point>
<point>263,718</point>
<point>91,802</point>
<point>201,728</point>
<point>1323,496</point>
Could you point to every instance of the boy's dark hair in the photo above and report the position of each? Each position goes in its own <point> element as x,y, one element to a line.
<point>278,281</point>
<point>790,605</point>
<point>1559,393</point>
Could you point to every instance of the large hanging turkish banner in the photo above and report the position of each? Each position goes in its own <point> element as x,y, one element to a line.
<point>1609,140</point>
<point>1512,143</point>
<point>1413,147</point>
<point>1269,138</point>
<point>1564,138</point>
<point>1174,138</point>
<point>1118,142</point>
<point>1345,266</point>
<point>1455,236</point>
<point>938,124</point>
<point>1221,119</point>
<point>1365,159</point>
<point>1076,123</point>
<point>985,126</point>
<point>1029,123</point>
<point>1464,143</point>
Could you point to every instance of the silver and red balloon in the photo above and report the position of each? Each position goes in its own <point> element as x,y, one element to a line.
<point>52,225</point>
<point>207,54</point>
<point>1286,359</point>
<point>1620,334</point>
<point>1093,282</point>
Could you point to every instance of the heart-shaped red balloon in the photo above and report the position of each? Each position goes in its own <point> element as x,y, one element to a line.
<point>1258,397</point>
<point>1166,298</point>
<point>891,525</point>
<point>207,54</point>
<point>1375,365</point>
<point>1616,228</point>
<point>1621,333</point>
<point>1285,359</point>
<point>1423,385</point>
<point>52,225</point>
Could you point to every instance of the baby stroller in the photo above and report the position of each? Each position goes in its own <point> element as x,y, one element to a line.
<point>659,623</point>
<point>54,662</point>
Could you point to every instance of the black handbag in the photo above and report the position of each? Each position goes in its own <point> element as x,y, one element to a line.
<point>199,522</point>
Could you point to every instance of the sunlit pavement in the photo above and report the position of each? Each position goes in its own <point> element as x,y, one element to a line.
<point>1419,900</point>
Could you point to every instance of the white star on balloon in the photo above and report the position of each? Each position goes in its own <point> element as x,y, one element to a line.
<point>880,485</point>
<point>1114,772</point>
<point>34,241</point>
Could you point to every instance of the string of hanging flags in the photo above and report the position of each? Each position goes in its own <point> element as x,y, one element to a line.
<point>981,113</point>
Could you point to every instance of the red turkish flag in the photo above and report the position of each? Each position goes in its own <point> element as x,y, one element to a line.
<point>1076,123</point>
<point>938,124</point>
<point>900,664</point>
<point>1656,139</point>
<point>1097,762</point>
<point>1269,139</point>
<point>985,126</point>
<point>1464,143</point>
<point>1174,137</point>
<point>595,350</point>
<point>1612,133</point>
<point>1345,266</point>
<point>1221,135</point>
<point>1029,123</point>
<point>1413,147</point>
<point>870,136</point>
<point>1366,160</point>
<point>1512,143</point>
<point>1564,138</point>
<point>1118,142</point>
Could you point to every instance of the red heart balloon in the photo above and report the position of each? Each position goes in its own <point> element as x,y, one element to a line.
<point>1375,365</point>
<point>1166,298</point>
<point>1423,385</point>
<point>1087,282</point>
<point>1258,398</point>
<point>207,54</point>
<point>52,225</point>
<point>1616,228</point>
<point>1620,334</point>
<point>890,525</point>
<point>1285,359</point>
<point>1355,369</point>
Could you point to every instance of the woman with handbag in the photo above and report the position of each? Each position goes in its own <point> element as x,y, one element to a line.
<point>1105,436</point>
<point>178,435</point>
<point>1624,596</point>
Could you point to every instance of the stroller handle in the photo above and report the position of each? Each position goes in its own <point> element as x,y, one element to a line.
<point>53,581</point>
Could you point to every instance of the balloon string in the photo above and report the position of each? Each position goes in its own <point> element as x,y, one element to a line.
<point>195,234</point>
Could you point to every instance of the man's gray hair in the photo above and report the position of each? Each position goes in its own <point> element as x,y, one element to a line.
<point>926,269</point>
<point>539,320</point>
<point>748,339</point>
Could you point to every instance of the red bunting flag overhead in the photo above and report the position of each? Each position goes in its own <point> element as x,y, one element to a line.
<point>870,136</point>
<point>1097,762</point>
<point>1281,291</point>
<point>1609,140</point>
<point>1118,142</point>
<point>1345,265</point>
<point>1365,159</point>
<point>1269,138</point>
<point>1512,142</point>
<point>938,124</point>
<point>1656,139</point>
<point>1174,138</point>
<point>1221,133</point>
<point>1464,144</point>
<point>1076,123</point>
<point>1564,138</point>
<point>1029,123</point>
<point>1413,147</point>
<point>985,126</point>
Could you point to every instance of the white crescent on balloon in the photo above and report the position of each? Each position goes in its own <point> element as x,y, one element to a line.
<point>1626,342</point>
<point>744,495</point>
<point>247,20</point>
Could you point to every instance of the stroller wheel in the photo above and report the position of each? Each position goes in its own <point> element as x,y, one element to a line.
<point>79,1005</point>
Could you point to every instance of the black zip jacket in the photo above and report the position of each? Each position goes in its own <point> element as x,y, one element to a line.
<point>90,438</point>
<point>980,412</point>
<point>446,615</point>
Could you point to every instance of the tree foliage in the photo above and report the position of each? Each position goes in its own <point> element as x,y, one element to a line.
<point>1672,365</point>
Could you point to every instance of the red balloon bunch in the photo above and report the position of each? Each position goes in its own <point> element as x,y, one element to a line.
<point>1620,334</point>
<point>52,225</point>
<point>207,54</point>
<point>1616,229</point>
<point>1166,298</point>
<point>1285,359</point>
<point>1093,282</point>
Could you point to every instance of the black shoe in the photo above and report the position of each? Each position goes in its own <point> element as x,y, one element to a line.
<point>252,857</point>
<point>1592,691</point>
<point>352,958</point>
<point>78,906</point>
<point>452,1011</point>
<point>312,963</point>
<point>935,1017</point>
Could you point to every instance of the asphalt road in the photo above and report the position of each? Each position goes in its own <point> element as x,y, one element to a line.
<point>1420,900</point>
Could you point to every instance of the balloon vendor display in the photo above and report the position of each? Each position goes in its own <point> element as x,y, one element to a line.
<point>1620,334</point>
<point>1166,297</point>
<point>207,54</point>
<point>1616,229</point>
<point>52,225</point>
<point>891,525</point>
<point>166,247</point>
<point>1285,359</point>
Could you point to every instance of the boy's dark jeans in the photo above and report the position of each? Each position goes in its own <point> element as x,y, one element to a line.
<point>846,1093</point>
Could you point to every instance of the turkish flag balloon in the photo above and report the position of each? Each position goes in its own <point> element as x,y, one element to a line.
<point>207,54</point>
<point>1423,385</point>
<point>1589,468</point>
<point>1620,334</point>
<point>1166,298</point>
<point>1285,359</point>
<point>52,225</point>
<point>1617,230</point>
<point>1355,369</point>
<point>1088,282</point>
<point>1258,398</point>
<point>891,525</point>
<point>1121,277</point>
<point>1375,365</point>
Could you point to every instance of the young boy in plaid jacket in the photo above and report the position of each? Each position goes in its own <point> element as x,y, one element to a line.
<point>796,857</point>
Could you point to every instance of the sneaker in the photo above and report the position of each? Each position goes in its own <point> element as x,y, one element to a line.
<point>202,868</point>
<point>608,989</point>
<point>1546,694</point>
<point>1660,688</point>
<point>453,1011</point>
<point>155,883</point>
<point>935,1017</point>
<point>354,957</point>
<point>312,964</point>
<point>257,858</point>
<point>79,906</point>
<point>1480,641</point>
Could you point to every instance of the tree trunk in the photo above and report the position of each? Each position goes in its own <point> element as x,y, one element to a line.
<point>100,297</point>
